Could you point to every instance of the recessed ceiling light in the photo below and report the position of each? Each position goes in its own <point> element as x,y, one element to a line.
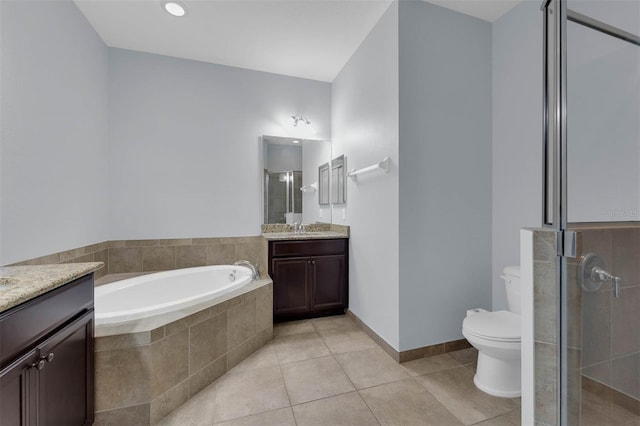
<point>295,141</point>
<point>175,9</point>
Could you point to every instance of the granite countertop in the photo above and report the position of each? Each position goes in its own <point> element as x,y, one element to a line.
<point>19,284</point>
<point>318,235</point>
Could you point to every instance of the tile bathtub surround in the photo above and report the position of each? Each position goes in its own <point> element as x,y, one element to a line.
<point>141,377</point>
<point>131,256</point>
<point>137,256</point>
<point>91,253</point>
<point>311,375</point>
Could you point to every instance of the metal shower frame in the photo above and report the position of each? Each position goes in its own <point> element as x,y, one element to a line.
<point>554,206</point>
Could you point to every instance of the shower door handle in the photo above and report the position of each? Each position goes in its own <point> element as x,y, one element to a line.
<point>593,275</point>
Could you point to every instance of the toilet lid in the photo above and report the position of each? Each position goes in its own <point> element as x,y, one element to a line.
<point>503,325</point>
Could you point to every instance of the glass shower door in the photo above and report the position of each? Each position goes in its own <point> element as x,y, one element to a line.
<point>598,163</point>
<point>284,197</point>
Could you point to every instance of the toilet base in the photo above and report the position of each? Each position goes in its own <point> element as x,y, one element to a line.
<point>498,377</point>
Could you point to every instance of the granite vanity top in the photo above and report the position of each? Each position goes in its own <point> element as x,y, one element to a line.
<point>316,235</point>
<point>19,284</point>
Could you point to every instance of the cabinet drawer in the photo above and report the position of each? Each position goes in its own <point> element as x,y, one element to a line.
<point>308,247</point>
<point>26,325</point>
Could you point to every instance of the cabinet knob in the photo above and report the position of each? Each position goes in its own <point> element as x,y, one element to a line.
<point>39,364</point>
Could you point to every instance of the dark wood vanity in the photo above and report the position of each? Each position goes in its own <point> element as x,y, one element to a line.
<point>46,358</point>
<point>310,277</point>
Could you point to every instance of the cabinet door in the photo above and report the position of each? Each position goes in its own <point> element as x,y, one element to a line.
<point>65,394</point>
<point>18,383</point>
<point>329,282</point>
<point>290,285</point>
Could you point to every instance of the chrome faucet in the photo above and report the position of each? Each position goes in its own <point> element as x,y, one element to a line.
<point>255,269</point>
<point>599,274</point>
<point>299,228</point>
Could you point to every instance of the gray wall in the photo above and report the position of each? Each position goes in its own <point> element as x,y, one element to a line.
<point>314,154</point>
<point>54,93</point>
<point>445,171</point>
<point>517,136</point>
<point>364,123</point>
<point>184,151</point>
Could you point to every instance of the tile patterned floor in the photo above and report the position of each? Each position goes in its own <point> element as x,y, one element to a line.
<point>327,371</point>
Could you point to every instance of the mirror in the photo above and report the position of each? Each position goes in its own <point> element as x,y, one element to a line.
<point>323,179</point>
<point>338,181</point>
<point>290,180</point>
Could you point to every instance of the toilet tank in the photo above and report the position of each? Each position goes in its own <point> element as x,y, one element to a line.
<point>511,277</point>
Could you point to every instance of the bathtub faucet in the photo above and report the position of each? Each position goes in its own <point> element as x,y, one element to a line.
<point>255,270</point>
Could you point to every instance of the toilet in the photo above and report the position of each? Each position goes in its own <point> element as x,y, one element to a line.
<point>496,335</point>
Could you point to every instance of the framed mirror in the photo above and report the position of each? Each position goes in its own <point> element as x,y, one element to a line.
<point>290,181</point>
<point>338,180</point>
<point>323,182</point>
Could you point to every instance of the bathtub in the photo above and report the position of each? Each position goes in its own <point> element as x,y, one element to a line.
<point>162,337</point>
<point>152,295</point>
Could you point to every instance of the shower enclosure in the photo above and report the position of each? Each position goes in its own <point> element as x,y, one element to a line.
<point>283,198</point>
<point>587,322</point>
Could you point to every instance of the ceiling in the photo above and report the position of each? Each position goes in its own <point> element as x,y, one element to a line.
<point>302,38</point>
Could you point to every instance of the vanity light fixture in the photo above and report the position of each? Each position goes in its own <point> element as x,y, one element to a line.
<point>174,8</point>
<point>299,117</point>
<point>296,141</point>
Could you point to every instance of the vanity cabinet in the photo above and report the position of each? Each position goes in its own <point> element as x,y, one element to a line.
<point>310,278</point>
<point>46,358</point>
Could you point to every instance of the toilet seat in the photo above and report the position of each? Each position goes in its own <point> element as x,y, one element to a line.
<point>499,326</point>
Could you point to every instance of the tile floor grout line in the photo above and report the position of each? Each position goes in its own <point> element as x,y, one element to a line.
<point>491,418</point>
<point>357,390</point>
<point>333,355</point>
<point>368,407</point>
<point>323,398</point>
<point>286,389</point>
<point>438,401</point>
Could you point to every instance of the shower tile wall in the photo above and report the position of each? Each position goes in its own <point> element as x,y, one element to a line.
<point>611,337</point>
<point>546,311</point>
<point>603,340</point>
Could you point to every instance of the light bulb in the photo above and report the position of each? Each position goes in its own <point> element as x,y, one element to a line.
<point>175,9</point>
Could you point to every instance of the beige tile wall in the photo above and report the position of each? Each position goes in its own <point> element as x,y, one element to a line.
<point>92,253</point>
<point>131,256</point>
<point>127,256</point>
<point>142,377</point>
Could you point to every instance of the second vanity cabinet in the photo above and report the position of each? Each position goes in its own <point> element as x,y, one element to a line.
<point>46,358</point>
<point>310,277</point>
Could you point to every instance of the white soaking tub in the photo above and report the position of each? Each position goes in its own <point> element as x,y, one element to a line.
<point>149,301</point>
